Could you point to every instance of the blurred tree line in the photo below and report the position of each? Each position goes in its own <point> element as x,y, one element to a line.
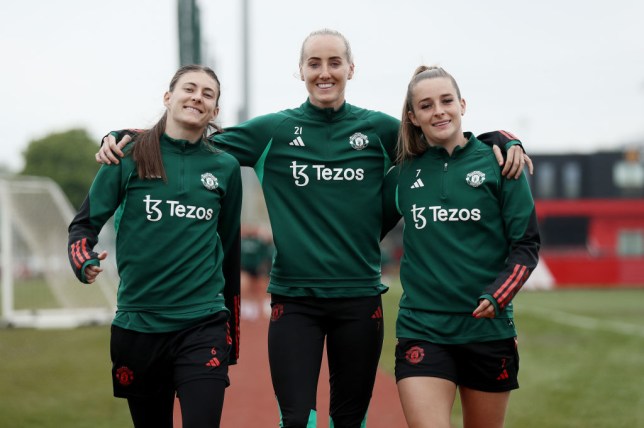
<point>67,158</point>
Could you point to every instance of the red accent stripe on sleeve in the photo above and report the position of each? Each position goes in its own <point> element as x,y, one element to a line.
<point>511,285</point>
<point>79,252</point>
<point>72,251</point>
<point>84,248</point>
<point>509,135</point>
<point>78,257</point>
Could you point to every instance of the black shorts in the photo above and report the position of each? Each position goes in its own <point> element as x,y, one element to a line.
<point>149,364</point>
<point>484,366</point>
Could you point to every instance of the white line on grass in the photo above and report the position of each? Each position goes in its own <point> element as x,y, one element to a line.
<point>584,322</point>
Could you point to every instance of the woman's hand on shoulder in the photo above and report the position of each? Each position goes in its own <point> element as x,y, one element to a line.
<point>515,162</point>
<point>111,151</point>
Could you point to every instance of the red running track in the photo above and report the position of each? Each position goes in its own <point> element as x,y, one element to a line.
<point>250,401</point>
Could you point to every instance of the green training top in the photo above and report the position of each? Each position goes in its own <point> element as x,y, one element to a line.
<point>322,173</point>
<point>177,243</point>
<point>469,234</point>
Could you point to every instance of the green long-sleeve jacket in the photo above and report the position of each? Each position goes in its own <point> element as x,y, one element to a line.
<point>177,243</point>
<point>469,234</point>
<point>322,173</point>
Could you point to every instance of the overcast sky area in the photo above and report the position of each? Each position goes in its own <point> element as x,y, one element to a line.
<point>564,75</point>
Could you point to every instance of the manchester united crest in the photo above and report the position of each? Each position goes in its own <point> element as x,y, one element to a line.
<point>209,181</point>
<point>124,376</point>
<point>475,178</point>
<point>415,354</point>
<point>358,141</point>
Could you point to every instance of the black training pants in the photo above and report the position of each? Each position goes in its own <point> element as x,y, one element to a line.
<point>353,330</point>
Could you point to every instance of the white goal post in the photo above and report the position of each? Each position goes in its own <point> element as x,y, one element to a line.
<point>39,288</point>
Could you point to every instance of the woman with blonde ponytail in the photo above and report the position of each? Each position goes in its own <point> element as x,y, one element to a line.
<point>470,242</point>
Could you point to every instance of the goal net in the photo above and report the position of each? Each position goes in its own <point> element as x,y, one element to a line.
<point>39,288</point>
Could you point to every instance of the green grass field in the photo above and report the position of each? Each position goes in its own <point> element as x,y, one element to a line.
<point>582,358</point>
<point>582,365</point>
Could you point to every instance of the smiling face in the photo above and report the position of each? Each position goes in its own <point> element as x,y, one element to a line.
<point>437,110</point>
<point>325,68</point>
<point>191,105</point>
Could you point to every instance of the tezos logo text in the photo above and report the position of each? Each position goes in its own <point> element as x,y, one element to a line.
<point>440,214</point>
<point>323,173</point>
<point>155,209</point>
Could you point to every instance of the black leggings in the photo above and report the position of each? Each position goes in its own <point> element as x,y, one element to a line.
<point>353,330</point>
<point>201,404</point>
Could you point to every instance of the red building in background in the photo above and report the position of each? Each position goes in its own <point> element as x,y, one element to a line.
<point>590,209</point>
